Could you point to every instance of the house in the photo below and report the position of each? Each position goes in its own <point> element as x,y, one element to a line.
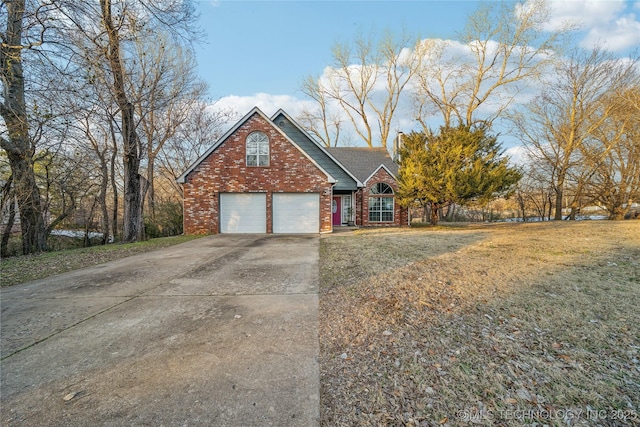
<point>267,175</point>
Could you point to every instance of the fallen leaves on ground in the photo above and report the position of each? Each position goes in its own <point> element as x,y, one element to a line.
<point>512,325</point>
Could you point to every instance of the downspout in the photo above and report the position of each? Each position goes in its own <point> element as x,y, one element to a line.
<point>330,205</point>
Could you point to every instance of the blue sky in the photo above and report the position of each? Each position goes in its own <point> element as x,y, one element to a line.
<point>258,52</point>
<point>270,46</point>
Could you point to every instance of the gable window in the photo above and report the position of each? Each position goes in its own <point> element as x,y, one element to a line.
<point>381,203</point>
<point>257,149</point>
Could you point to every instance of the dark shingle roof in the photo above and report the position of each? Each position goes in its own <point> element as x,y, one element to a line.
<point>363,161</point>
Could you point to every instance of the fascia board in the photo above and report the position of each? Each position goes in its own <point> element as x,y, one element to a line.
<point>376,171</point>
<point>323,149</point>
<point>332,180</point>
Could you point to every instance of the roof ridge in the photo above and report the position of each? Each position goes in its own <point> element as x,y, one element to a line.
<point>359,148</point>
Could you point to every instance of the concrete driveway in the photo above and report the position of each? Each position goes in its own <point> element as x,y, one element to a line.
<point>219,331</point>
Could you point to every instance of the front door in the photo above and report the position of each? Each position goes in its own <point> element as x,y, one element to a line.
<point>336,210</point>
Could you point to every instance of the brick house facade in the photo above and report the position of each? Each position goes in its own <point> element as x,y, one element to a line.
<point>400,214</point>
<point>268,175</point>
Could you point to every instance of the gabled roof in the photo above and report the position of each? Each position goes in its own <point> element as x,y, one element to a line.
<point>316,143</point>
<point>363,162</point>
<point>382,166</point>
<point>181,179</point>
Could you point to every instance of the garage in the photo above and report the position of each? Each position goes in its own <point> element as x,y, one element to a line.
<point>296,213</point>
<point>243,213</point>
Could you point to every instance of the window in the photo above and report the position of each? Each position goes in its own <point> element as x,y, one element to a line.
<point>347,209</point>
<point>257,149</point>
<point>381,188</point>
<point>381,206</point>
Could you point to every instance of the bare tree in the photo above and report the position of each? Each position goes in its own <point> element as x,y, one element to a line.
<point>96,120</point>
<point>95,124</point>
<point>556,125</point>
<point>16,141</point>
<point>366,82</point>
<point>614,156</point>
<point>503,47</point>
<point>103,36</point>
<point>202,127</point>
<point>132,230</point>
<point>321,122</point>
<point>534,193</point>
<point>165,85</point>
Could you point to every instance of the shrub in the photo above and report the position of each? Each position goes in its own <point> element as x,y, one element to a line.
<point>168,221</point>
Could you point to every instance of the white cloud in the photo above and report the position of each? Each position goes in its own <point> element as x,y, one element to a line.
<point>518,155</point>
<point>611,23</point>
<point>622,34</point>
<point>268,103</point>
<point>586,14</point>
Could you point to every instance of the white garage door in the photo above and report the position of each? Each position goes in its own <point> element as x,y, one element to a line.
<point>296,213</point>
<point>243,213</point>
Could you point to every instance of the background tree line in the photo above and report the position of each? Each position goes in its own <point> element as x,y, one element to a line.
<point>102,109</point>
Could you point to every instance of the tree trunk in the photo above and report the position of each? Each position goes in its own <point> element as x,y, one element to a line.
<point>6,233</point>
<point>559,196</point>
<point>104,211</point>
<point>9,200</point>
<point>29,204</point>
<point>521,205</point>
<point>617,212</point>
<point>150,189</point>
<point>144,186</point>
<point>434,213</point>
<point>542,209</point>
<point>114,184</point>
<point>114,215</point>
<point>132,215</point>
<point>132,218</point>
<point>87,222</point>
<point>451,212</point>
<point>18,146</point>
<point>558,205</point>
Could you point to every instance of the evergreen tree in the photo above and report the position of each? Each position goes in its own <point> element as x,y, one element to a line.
<point>457,165</point>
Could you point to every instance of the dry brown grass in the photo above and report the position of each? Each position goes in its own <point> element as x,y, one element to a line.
<point>499,324</point>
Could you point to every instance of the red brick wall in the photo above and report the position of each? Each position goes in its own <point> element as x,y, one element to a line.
<point>225,171</point>
<point>362,203</point>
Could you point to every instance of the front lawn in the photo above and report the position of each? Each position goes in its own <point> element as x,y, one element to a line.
<point>24,268</point>
<point>497,324</point>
